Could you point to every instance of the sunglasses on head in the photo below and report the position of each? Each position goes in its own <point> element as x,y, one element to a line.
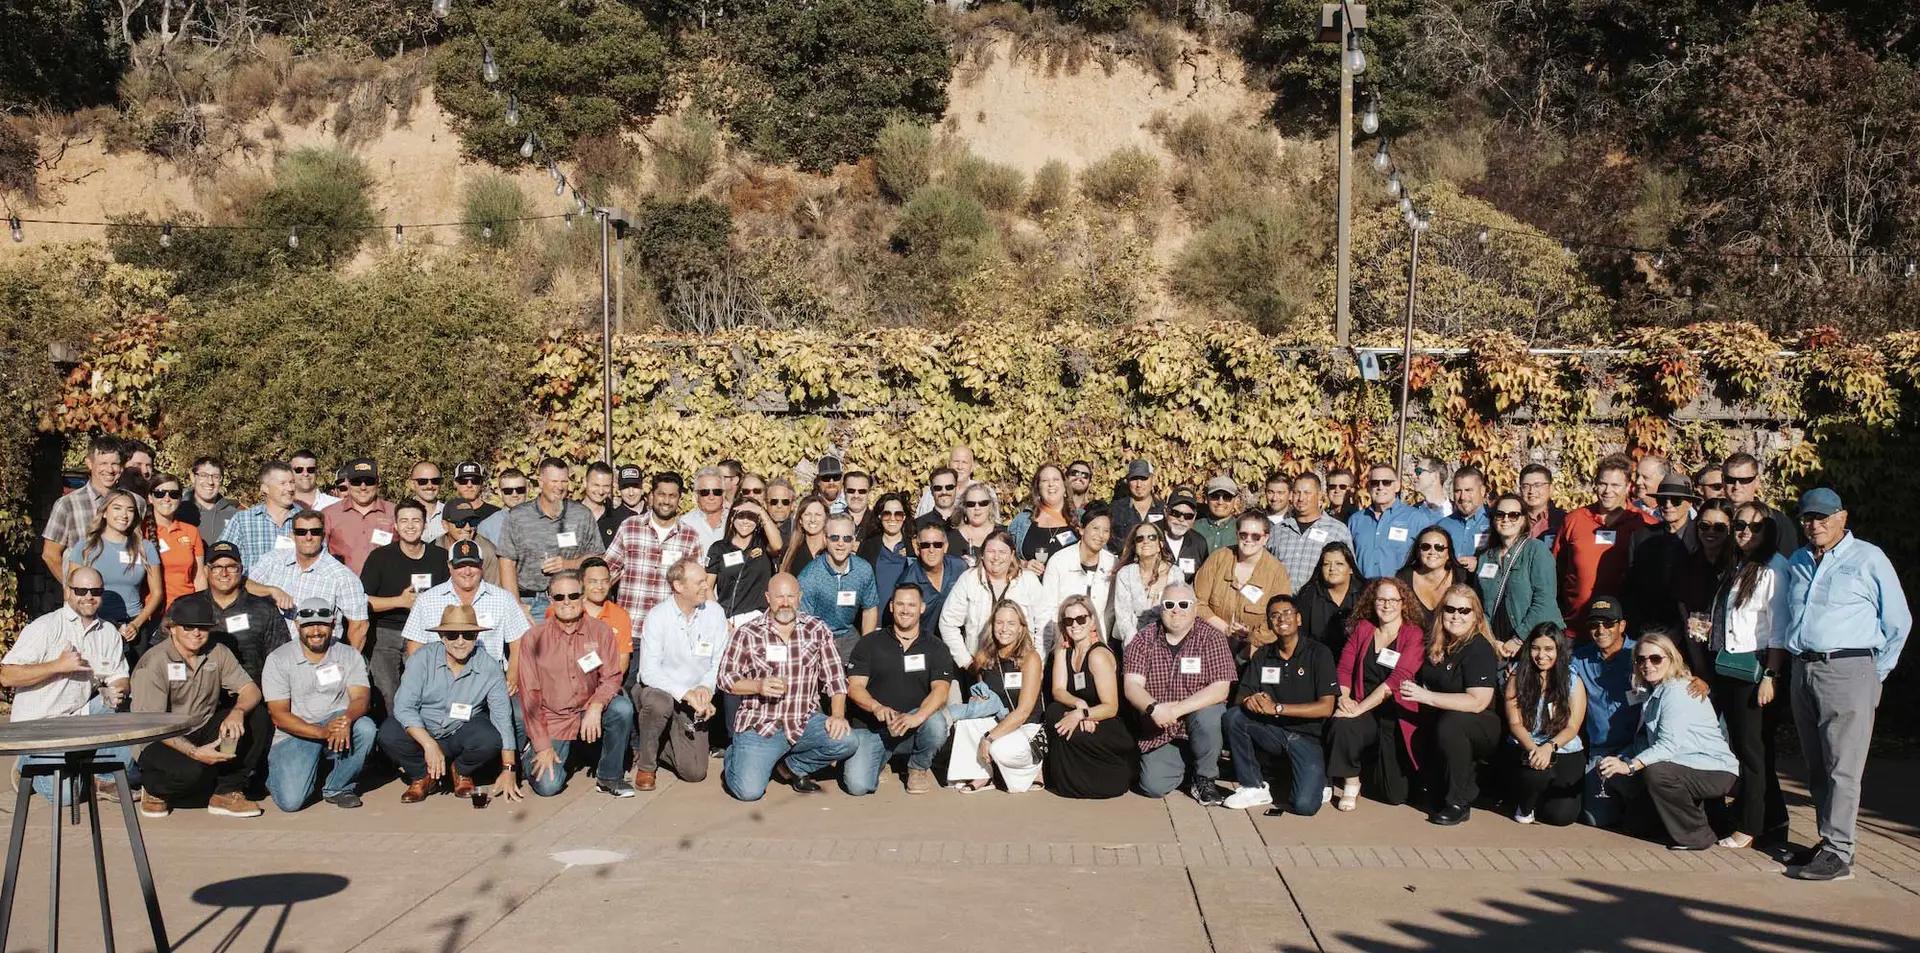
<point>314,615</point>
<point>304,469</point>
<point>1172,604</point>
<point>459,636</point>
<point>1076,620</point>
<point>310,531</point>
<point>87,590</point>
<point>840,538</point>
<point>565,596</point>
<point>1458,610</point>
<point>172,494</point>
<point>710,493</point>
<point>363,481</point>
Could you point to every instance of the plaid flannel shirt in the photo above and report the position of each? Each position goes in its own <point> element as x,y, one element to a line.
<point>257,534</point>
<point>1149,655</point>
<point>327,578</point>
<point>639,558</point>
<point>1299,549</point>
<point>812,668</point>
<point>72,515</point>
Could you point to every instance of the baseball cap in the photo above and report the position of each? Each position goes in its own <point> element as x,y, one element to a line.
<point>829,469</point>
<point>1604,609</point>
<point>314,611</point>
<point>630,476</point>
<point>1222,483</point>
<point>1139,469</point>
<point>469,470</point>
<point>1821,502</point>
<point>459,511</point>
<point>192,613</point>
<point>361,467</point>
<point>224,549</point>
<point>1183,500</point>
<point>466,552</point>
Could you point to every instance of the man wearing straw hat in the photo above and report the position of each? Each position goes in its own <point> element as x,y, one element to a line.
<point>450,716</point>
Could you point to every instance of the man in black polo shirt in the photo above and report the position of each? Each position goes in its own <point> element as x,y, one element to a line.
<point>393,575</point>
<point>897,680</point>
<point>1287,692</point>
<point>631,500</point>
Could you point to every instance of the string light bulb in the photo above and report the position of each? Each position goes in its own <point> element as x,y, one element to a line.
<point>441,8</point>
<point>560,184</point>
<point>1382,160</point>
<point>579,201</point>
<point>486,231</point>
<point>166,235</point>
<point>1356,60</point>
<point>293,238</point>
<point>13,225</point>
<point>553,170</point>
<point>1660,261</point>
<point>567,220</point>
<point>1423,221</point>
<point>489,70</point>
<point>513,110</point>
<point>1406,204</point>
<point>1370,120</point>
<point>399,234</point>
<point>1393,186</point>
<point>1484,237</point>
<point>1773,266</point>
<point>526,148</point>
<point>1912,266</point>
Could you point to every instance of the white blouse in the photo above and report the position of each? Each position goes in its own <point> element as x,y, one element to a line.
<point>1134,606</point>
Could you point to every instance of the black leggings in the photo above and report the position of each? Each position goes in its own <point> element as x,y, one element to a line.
<point>1552,796</point>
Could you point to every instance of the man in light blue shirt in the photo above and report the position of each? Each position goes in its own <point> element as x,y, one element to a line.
<point>839,587</point>
<point>451,714</point>
<point>1468,523</point>
<point>1847,620</point>
<point>1383,532</point>
<point>675,676</point>
<point>1604,666</point>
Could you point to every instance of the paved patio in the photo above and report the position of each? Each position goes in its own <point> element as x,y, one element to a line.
<point>685,868</point>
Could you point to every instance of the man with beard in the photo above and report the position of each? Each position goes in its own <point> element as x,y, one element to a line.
<point>782,664</point>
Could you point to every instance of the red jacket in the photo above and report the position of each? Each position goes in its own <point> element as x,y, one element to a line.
<point>1411,644</point>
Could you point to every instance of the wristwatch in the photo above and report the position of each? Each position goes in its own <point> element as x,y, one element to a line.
<point>1769,673</point>
<point>1148,711</point>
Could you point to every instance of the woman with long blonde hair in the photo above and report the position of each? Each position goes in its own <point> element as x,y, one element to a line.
<point>1454,689</point>
<point>1005,672</point>
<point>1679,758</point>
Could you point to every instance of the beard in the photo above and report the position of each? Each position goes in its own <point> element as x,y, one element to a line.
<point>785,616</point>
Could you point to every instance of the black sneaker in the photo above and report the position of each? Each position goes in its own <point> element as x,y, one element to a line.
<point>1825,866</point>
<point>1208,793</point>
<point>618,787</point>
<point>1450,815</point>
<point>346,799</point>
<point>1804,856</point>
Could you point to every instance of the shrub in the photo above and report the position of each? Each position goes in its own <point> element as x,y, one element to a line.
<point>815,82</point>
<point>998,187</point>
<point>679,241</point>
<point>903,158</point>
<point>496,200</point>
<point>19,161</point>
<point>1259,264</point>
<point>324,191</point>
<point>685,153</point>
<point>945,229</point>
<point>577,70</point>
<point>1222,165</point>
<point>201,260</point>
<point>1098,14</point>
<point>1052,186</point>
<point>1126,176</point>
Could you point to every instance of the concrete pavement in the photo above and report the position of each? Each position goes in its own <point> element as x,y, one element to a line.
<point>685,868</point>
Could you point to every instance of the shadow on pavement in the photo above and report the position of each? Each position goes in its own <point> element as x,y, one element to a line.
<point>1620,919</point>
<point>254,894</point>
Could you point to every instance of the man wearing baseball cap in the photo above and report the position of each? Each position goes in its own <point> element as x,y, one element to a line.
<point>630,501</point>
<point>363,521</point>
<point>1603,663</point>
<point>827,477</point>
<point>316,690</point>
<point>1223,513</point>
<point>1136,505</point>
<point>187,675</point>
<point>461,520</point>
<point>249,626</point>
<point>1847,619</point>
<point>470,485</point>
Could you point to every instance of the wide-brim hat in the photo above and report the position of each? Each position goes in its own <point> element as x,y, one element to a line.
<point>458,618</point>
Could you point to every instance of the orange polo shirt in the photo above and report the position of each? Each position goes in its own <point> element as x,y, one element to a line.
<point>180,553</point>
<point>1590,555</point>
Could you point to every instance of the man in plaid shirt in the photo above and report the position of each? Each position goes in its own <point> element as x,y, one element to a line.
<point>73,514</point>
<point>290,578</point>
<point>1300,536</point>
<point>646,546</point>
<point>782,663</point>
<point>1178,671</point>
<point>263,528</point>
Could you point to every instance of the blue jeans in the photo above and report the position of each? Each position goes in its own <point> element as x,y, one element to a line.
<point>873,749</point>
<point>536,605</point>
<point>616,734</point>
<point>752,757</point>
<point>1163,768</point>
<point>43,785</point>
<point>1597,811</point>
<point>1248,735</point>
<point>292,764</point>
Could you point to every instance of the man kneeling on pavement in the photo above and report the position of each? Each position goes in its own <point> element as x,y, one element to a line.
<point>316,689</point>
<point>451,716</point>
<point>185,674</point>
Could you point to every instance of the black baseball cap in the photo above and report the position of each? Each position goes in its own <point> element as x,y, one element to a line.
<point>466,552</point>
<point>362,467</point>
<point>1604,609</point>
<point>467,469</point>
<point>630,476</point>
<point>191,613</point>
<point>459,511</point>
<point>224,549</point>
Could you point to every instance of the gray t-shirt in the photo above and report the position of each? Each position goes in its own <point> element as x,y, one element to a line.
<point>315,691</point>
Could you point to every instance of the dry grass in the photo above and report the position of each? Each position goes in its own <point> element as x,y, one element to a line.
<point>1042,38</point>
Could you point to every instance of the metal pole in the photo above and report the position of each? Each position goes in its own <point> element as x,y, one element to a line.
<point>1406,356</point>
<point>1343,241</point>
<point>606,335</point>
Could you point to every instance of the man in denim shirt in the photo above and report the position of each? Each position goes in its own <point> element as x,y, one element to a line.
<point>1604,664</point>
<point>1847,620</point>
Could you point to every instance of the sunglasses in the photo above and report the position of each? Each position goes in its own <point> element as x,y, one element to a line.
<point>513,491</point>
<point>363,481</point>
<point>566,596</point>
<point>304,469</point>
<point>173,494</point>
<point>1459,610</point>
<point>945,487</point>
<point>1172,604</point>
<point>1147,538</point>
<point>1671,501</point>
<point>1252,537</point>
<point>780,501</point>
<point>1650,659</point>
<point>1706,527</point>
<point>1182,514</point>
<point>840,538</point>
<point>426,481</point>
<point>710,493</point>
<point>311,531</point>
<point>1380,484</point>
<point>465,524</point>
<point>314,615</point>
<point>893,514</point>
<point>1080,474</point>
<point>87,590</point>
<point>1715,487</point>
<point>753,491</point>
<point>1741,481</point>
<point>1339,486</point>
<point>467,481</point>
<point>863,491</point>
<point>978,504</point>
<point>828,479</point>
<point>1508,514</point>
<point>1220,495</point>
<point>932,544</point>
<point>459,636</point>
<point>1434,547</point>
<point>1076,620</point>
<point>1742,526</point>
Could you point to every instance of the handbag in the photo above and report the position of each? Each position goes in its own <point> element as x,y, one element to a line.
<point>1037,746</point>
<point>1744,666</point>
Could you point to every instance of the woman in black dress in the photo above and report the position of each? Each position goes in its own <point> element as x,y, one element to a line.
<point>741,560</point>
<point>1454,689</point>
<point>1326,602</point>
<point>1090,751</point>
<point>1432,568</point>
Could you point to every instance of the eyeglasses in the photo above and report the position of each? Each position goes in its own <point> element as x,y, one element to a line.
<point>945,487</point>
<point>1742,526</point>
<point>459,636</point>
<point>304,469</point>
<point>1172,604</point>
<point>1508,514</point>
<point>1458,610</point>
<point>426,481</point>
<point>565,596</point>
<point>1076,620</point>
<point>363,481</point>
<point>1080,474</point>
<point>1715,487</point>
<point>1434,547</point>
<point>1740,481</point>
<point>1181,514</point>
<point>467,481</point>
<point>1535,484</point>
<point>780,501</point>
<point>513,491</point>
<point>1251,537</point>
<point>310,531</point>
<point>172,494</point>
<point>1708,527</point>
<point>87,590</point>
<point>1386,600</point>
<point>932,544</point>
<point>314,615</point>
<point>978,504</point>
<point>893,514</point>
<point>1380,484</point>
<point>840,538</point>
<point>1651,658</point>
<point>710,493</point>
<point>1221,495</point>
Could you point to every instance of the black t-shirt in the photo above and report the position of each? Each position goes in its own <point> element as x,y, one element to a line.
<point>251,627</point>
<point>610,520</point>
<point>483,509</point>
<point>740,583</point>
<point>388,573</point>
<point>1474,665</point>
<point>879,657</point>
<point>1310,675</point>
<point>958,546</point>
<point>1041,542</point>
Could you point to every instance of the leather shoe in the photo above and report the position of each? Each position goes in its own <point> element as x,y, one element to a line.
<point>417,791</point>
<point>462,785</point>
<point>1450,815</point>
<point>643,780</point>
<point>800,783</point>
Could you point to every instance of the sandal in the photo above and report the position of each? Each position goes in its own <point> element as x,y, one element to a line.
<point>970,787</point>
<point>1349,795</point>
<point>1737,841</point>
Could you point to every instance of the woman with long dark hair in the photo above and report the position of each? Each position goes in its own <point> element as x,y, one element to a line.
<point>741,560</point>
<point>1146,570</point>
<point>1697,584</point>
<point>1454,689</point>
<point>1327,601</point>
<point>809,534</point>
<point>1432,569</point>
<point>1515,576</point>
<point>1090,752</point>
<point>883,540</point>
<point>1749,613</point>
<point>1546,706</point>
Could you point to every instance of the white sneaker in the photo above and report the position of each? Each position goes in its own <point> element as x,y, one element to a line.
<point>1248,797</point>
<point>1524,817</point>
<point>1326,795</point>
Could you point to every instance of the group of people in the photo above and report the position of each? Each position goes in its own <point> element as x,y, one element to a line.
<point>1625,662</point>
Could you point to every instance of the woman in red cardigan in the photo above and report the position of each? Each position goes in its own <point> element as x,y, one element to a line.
<point>1371,731</point>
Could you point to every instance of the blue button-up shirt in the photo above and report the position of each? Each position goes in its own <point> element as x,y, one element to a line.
<point>255,532</point>
<point>429,690</point>
<point>820,589</point>
<point>953,567</point>
<point>1611,722</point>
<point>1850,599</point>
<point>1382,542</point>
<point>1469,532</point>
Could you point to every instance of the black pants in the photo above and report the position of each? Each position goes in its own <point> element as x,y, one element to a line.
<point>1373,749</point>
<point>1461,743</point>
<point>1751,732</point>
<point>175,778</point>
<point>1679,795</point>
<point>1552,796</point>
<point>473,751</point>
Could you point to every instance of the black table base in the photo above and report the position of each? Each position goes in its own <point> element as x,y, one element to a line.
<point>73,776</point>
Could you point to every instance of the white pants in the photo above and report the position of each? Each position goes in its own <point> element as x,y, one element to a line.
<point>1012,754</point>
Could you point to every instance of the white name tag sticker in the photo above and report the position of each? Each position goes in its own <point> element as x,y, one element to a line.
<point>381,537</point>
<point>176,671</point>
<point>1079,681</point>
<point>566,540</point>
<point>1013,680</point>
<point>1397,533</point>
<point>485,621</point>
<point>1389,657</point>
<point>1190,664</point>
<point>1063,537</point>
<point>590,661</point>
<point>1603,537</point>
<point>283,542</point>
<point>1269,674</point>
<point>164,547</point>
<point>846,597</point>
<point>668,557</point>
<point>459,711</point>
<point>1317,534</point>
<point>703,649</point>
<point>735,558</point>
<point>327,675</point>
<point>776,653</point>
<point>237,623</point>
<point>1479,540</point>
<point>1154,517</point>
<point>913,663</point>
<point>422,581</point>
<point>1488,570</point>
<point>1252,593</point>
<point>1186,567</point>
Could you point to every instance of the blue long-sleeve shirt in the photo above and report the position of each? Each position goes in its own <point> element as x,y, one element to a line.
<point>429,690</point>
<point>1381,543</point>
<point>1469,532</point>
<point>1677,727</point>
<point>1850,599</point>
<point>1611,720</point>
